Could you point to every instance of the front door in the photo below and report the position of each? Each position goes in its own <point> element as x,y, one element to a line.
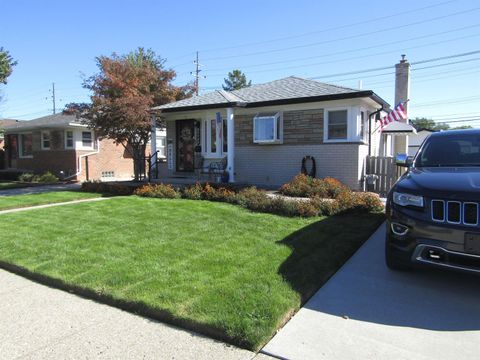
<point>185,145</point>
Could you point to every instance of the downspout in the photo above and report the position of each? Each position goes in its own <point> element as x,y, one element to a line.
<point>79,169</point>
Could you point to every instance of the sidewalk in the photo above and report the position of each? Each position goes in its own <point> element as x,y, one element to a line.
<point>41,322</point>
<point>366,311</point>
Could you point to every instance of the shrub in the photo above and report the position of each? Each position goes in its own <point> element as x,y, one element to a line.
<point>193,192</point>
<point>48,177</point>
<point>325,207</point>
<point>254,199</point>
<point>306,186</point>
<point>104,188</point>
<point>366,202</point>
<point>157,191</point>
<point>26,177</point>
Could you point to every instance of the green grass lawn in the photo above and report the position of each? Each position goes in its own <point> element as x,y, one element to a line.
<point>18,201</point>
<point>212,267</point>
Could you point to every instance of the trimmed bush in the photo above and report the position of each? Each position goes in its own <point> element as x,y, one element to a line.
<point>26,177</point>
<point>193,192</point>
<point>161,191</point>
<point>48,177</point>
<point>306,186</point>
<point>107,188</point>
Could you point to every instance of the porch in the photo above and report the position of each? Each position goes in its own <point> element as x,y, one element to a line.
<point>199,147</point>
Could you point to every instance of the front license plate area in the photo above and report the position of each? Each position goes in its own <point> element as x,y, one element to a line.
<point>472,243</point>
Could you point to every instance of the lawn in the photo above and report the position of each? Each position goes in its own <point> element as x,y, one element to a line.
<point>212,267</point>
<point>18,201</point>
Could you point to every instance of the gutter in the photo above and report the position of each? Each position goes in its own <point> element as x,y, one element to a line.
<point>79,168</point>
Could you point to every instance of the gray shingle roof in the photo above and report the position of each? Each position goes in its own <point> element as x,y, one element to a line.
<point>279,90</point>
<point>57,120</point>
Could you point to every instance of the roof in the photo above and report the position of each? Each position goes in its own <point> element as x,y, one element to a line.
<point>290,90</point>
<point>57,120</point>
<point>7,122</point>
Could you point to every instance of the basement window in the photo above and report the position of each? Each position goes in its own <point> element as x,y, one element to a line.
<point>267,128</point>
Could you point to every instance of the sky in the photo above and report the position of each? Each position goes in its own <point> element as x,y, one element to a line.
<point>338,42</point>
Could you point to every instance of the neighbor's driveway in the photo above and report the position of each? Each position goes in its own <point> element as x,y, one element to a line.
<point>40,189</point>
<point>368,312</point>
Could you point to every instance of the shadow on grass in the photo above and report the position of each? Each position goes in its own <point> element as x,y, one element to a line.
<point>320,249</point>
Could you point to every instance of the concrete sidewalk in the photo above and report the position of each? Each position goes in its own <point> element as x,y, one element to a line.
<point>366,311</point>
<point>44,323</point>
<point>40,189</point>
<point>28,208</point>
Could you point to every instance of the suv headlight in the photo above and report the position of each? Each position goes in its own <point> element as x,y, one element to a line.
<point>403,199</point>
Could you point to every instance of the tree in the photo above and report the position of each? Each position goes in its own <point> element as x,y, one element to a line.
<point>424,123</point>
<point>74,108</point>
<point>6,65</point>
<point>236,80</point>
<point>124,91</point>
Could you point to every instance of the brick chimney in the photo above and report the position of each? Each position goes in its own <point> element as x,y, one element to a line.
<point>402,93</point>
<point>402,82</point>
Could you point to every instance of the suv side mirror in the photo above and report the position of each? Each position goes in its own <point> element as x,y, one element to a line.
<point>403,160</point>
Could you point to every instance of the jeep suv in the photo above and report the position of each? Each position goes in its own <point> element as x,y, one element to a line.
<point>433,209</point>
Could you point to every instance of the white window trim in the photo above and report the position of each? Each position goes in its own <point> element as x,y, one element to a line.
<point>73,140</point>
<point>349,125</point>
<point>164,146</point>
<point>363,139</point>
<point>20,146</point>
<point>276,116</point>
<point>42,140</point>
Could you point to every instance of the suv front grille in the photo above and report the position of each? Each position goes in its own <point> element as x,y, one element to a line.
<point>455,212</point>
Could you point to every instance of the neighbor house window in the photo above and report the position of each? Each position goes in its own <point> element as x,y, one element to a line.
<point>363,126</point>
<point>87,139</point>
<point>26,141</point>
<point>69,139</point>
<point>267,128</point>
<point>45,140</point>
<point>337,128</point>
<point>213,137</point>
<point>161,142</point>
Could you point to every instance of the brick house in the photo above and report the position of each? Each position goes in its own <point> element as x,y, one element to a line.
<point>264,131</point>
<point>65,146</point>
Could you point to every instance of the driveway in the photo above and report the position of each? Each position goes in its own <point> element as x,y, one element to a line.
<point>366,311</point>
<point>44,323</point>
<point>40,189</point>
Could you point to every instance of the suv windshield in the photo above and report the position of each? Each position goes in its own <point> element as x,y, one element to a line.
<point>450,150</point>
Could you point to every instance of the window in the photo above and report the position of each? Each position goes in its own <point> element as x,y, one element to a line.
<point>267,128</point>
<point>337,125</point>
<point>225,136</point>
<point>26,145</point>
<point>45,140</point>
<point>87,139</point>
<point>69,139</point>
<point>363,126</point>
<point>161,142</point>
<point>213,137</point>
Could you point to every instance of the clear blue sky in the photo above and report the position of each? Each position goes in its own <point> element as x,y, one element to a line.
<point>57,41</point>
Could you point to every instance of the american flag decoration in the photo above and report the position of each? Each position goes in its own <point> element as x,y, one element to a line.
<point>397,114</point>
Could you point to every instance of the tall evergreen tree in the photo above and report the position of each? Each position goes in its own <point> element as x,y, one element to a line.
<point>236,80</point>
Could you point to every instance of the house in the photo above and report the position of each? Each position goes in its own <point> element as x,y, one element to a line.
<point>65,146</point>
<point>415,140</point>
<point>265,131</point>
<point>3,123</point>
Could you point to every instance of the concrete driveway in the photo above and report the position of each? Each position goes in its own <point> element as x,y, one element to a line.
<point>366,311</point>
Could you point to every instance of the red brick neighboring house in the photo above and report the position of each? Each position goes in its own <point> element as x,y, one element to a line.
<point>65,146</point>
<point>3,123</point>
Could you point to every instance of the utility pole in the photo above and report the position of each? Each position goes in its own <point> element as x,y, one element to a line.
<point>197,74</point>
<point>53,98</point>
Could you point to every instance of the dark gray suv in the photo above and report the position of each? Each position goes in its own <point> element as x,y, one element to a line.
<point>433,209</point>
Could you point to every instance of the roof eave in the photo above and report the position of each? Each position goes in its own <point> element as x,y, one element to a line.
<point>299,100</point>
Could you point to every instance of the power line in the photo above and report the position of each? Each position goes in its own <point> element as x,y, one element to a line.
<point>423,21</point>
<point>330,54</point>
<point>331,28</point>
